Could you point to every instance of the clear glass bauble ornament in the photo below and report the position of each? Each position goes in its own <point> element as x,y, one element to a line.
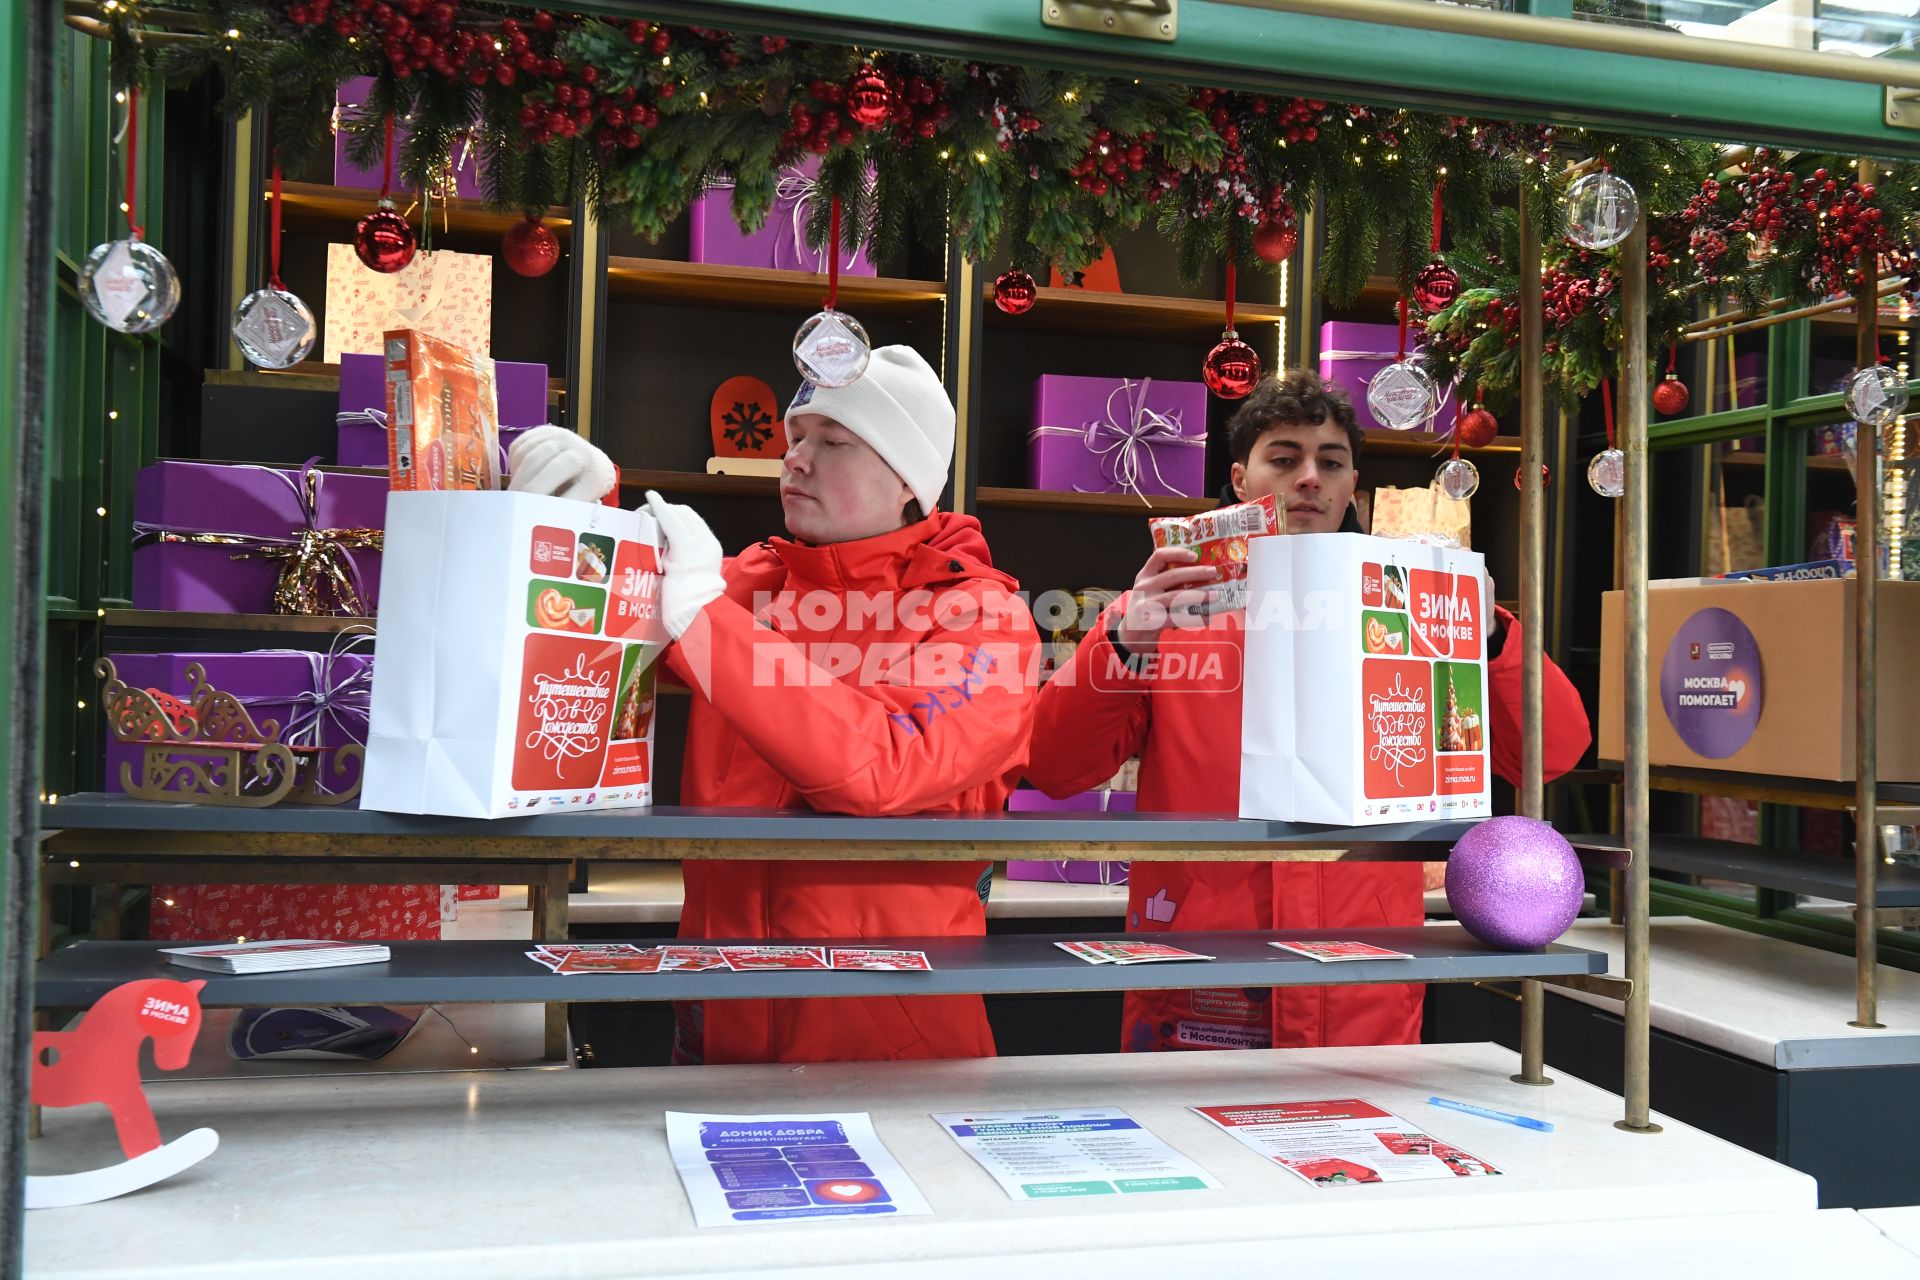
<point>1402,396</point>
<point>1458,478</point>
<point>1607,473</point>
<point>129,285</point>
<point>273,328</point>
<point>831,349</point>
<point>1601,209</point>
<point>1876,395</point>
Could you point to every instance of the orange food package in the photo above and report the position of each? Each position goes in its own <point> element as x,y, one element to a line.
<point>1220,537</point>
<point>443,413</point>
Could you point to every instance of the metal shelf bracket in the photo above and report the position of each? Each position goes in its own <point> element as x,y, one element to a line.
<point>1135,19</point>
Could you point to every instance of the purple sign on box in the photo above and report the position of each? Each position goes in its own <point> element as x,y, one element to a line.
<point>1118,435</point>
<point>316,699</point>
<point>1710,683</point>
<point>262,508</point>
<point>1061,872</point>
<point>519,387</point>
<point>714,236</point>
<point>348,100</point>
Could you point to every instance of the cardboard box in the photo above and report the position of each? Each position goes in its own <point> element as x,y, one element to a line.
<point>1779,700</point>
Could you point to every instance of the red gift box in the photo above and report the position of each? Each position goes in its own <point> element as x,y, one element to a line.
<point>333,912</point>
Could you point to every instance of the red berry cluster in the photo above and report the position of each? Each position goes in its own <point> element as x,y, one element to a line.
<point>920,112</point>
<point>1299,119</point>
<point>1110,161</point>
<point>418,36</point>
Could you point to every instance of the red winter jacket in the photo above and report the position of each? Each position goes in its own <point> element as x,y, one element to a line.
<point>1184,724</point>
<point>884,676</point>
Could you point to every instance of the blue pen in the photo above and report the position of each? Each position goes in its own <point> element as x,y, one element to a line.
<point>1488,1113</point>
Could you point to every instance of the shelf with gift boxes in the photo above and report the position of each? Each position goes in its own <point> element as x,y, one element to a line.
<point>334,209</point>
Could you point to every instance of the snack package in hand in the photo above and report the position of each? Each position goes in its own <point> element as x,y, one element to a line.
<point>1220,539</point>
<point>444,414</point>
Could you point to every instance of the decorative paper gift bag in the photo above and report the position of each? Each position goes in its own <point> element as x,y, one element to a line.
<point>1402,513</point>
<point>448,295</point>
<point>1366,681</point>
<point>516,670</point>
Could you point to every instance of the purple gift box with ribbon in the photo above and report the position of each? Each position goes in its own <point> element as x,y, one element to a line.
<point>1351,354</point>
<point>1102,801</point>
<point>214,537</point>
<point>1118,435</point>
<point>714,237</point>
<point>361,422</point>
<point>316,699</point>
<point>348,100</point>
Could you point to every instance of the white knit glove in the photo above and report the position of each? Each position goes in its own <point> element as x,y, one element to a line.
<point>690,573</point>
<point>559,463</point>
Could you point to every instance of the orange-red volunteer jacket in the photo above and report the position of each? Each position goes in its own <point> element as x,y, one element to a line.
<point>883,676</point>
<point>1183,720</point>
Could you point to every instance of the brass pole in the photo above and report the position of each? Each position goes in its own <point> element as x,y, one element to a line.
<point>1866,728</point>
<point>1533,555</point>
<point>1632,434</point>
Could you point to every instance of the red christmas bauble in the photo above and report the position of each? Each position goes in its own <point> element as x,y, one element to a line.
<point>1671,397</point>
<point>1276,238</point>
<point>870,98</point>
<point>383,241</point>
<point>1477,428</point>
<point>1015,292</point>
<point>1231,368</point>
<point>1435,288</point>
<point>1545,476</point>
<point>529,248</point>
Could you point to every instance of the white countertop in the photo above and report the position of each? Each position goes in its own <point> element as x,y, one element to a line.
<point>530,1174</point>
<point>1776,1003</point>
<point>1900,1225</point>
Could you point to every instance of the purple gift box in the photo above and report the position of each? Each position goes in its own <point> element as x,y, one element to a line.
<point>316,699</point>
<point>714,237</point>
<point>1118,435</point>
<point>1069,872</point>
<point>191,519</point>
<point>1351,354</point>
<point>520,388</point>
<point>348,100</point>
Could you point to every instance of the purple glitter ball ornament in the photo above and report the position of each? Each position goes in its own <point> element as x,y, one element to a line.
<point>1515,883</point>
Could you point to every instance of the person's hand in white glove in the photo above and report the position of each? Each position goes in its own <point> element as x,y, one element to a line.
<point>690,573</point>
<point>559,463</point>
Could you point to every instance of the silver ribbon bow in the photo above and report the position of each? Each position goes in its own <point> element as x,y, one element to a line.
<point>342,702</point>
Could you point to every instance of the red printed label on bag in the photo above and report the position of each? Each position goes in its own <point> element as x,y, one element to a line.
<point>1396,728</point>
<point>1446,615</point>
<point>552,551</point>
<point>634,594</point>
<point>1371,592</point>
<point>566,711</point>
<point>1462,775</point>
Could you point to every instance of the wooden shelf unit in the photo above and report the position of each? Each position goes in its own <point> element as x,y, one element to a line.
<point>991,497</point>
<point>702,284</point>
<point>316,202</point>
<point>1132,315</point>
<point>638,480</point>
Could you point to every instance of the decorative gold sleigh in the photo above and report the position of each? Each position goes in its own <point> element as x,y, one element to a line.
<point>213,746</point>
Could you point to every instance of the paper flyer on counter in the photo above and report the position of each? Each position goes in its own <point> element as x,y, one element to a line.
<point>1085,1151</point>
<point>1344,1141</point>
<point>742,1170</point>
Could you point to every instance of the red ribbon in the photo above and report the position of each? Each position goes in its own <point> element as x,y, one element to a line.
<point>1459,412</point>
<point>1673,354</point>
<point>274,218</point>
<point>1438,188</point>
<point>833,255</point>
<point>1403,331</point>
<point>1230,277</point>
<point>386,177</point>
<point>1606,399</point>
<point>133,152</point>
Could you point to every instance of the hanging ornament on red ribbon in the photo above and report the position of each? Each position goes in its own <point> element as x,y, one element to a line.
<point>1477,428</point>
<point>1015,292</point>
<point>1437,285</point>
<point>1278,234</point>
<point>1671,396</point>
<point>1402,395</point>
<point>383,240</point>
<point>529,248</point>
<point>871,98</point>
<point>1607,473</point>
<point>129,285</point>
<point>273,327</point>
<point>1232,368</point>
<point>831,348</point>
<point>1458,478</point>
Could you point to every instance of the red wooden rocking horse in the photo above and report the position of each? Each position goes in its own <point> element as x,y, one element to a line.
<point>98,1060</point>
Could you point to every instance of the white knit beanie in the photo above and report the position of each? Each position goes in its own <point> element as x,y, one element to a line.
<point>899,407</point>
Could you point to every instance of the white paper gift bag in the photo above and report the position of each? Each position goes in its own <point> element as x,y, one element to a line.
<point>516,671</point>
<point>446,294</point>
<point>1365,699</point>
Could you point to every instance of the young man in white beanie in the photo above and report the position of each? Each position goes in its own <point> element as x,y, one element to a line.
<point>872,663</point>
